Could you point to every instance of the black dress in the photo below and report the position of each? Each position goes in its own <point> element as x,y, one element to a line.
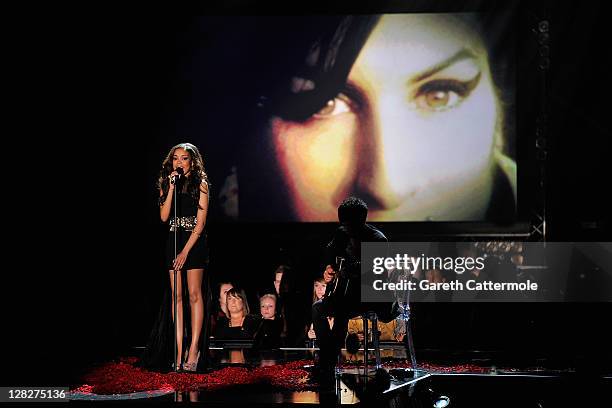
<point>187,210</point>
<point>159,352</point>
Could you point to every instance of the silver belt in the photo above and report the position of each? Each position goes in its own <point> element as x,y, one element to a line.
<point>184,223</point>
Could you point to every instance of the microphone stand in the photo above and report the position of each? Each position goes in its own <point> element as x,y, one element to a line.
<point>175,276</point>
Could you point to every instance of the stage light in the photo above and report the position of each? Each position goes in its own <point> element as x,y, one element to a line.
<point>437,400</point>
<point>441,402</point>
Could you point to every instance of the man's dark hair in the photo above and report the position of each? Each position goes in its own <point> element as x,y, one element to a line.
<point>353,211</point>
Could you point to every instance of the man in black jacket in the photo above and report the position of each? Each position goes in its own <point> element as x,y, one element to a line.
<point>342,273</point>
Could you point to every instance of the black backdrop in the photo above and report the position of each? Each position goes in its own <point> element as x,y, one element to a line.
<point>101,99</point>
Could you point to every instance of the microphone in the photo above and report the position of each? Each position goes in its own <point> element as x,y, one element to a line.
<point>179,170</point>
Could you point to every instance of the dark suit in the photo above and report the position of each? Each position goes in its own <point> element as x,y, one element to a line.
<point>341,305</point>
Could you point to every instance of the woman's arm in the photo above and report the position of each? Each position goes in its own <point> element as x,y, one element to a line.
<point>199,228</point>
<point>164,209</point>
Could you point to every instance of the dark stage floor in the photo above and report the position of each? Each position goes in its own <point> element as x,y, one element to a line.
<point>244,377</point>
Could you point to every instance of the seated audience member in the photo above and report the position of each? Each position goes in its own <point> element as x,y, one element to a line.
<point>240,325</point>
<point>267,307</point>
<point>287,304</point>
<point>268,334</point>
<point>220,314</point>
<point>318,292</point>
<point>318,289</point>
<point>394,330</point>
<point>278,279</point>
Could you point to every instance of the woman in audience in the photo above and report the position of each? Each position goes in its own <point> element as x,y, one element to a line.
<point>318,292</point>
<point>240,325</point>
<point>268,335</point>
<point>221,314</point>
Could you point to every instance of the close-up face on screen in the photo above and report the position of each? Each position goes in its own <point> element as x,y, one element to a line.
<point>405,111</point>
<point>415,129</point>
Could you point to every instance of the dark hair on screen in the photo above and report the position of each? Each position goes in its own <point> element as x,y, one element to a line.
<point>319,49</point>
<point>316,55</point>
<point>323,59</point>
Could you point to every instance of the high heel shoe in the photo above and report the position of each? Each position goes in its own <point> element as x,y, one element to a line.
<point>192,367</point>
<point>180,367</point>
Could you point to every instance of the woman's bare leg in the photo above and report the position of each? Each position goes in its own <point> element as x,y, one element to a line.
<point>179,320</point>
<point>196,303</point>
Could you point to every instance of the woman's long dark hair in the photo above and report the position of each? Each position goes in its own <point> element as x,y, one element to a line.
<point>197,174</point>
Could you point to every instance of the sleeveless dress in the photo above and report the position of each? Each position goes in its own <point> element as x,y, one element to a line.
<point>159,351</point>
<point>187,210</point>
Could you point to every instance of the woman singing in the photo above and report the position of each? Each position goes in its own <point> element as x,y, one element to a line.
<point>186,252</point>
